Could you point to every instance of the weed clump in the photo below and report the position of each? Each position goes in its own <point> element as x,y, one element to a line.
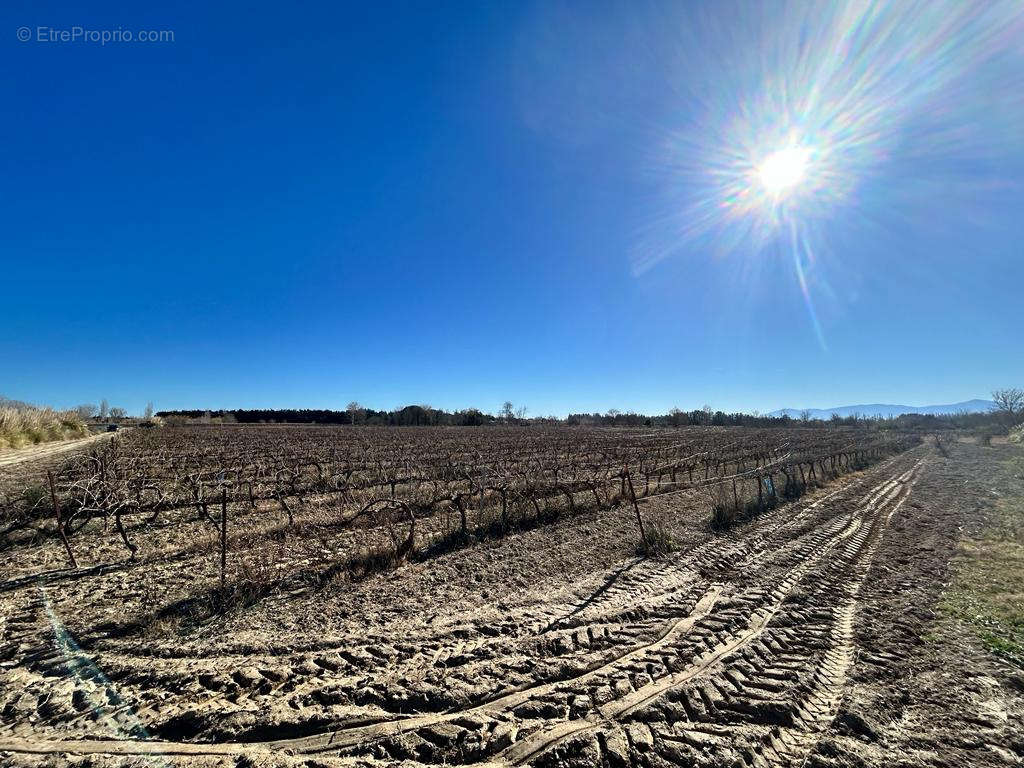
<point>723,507</point>
<point>657,541</point>
<point>1017,434</point>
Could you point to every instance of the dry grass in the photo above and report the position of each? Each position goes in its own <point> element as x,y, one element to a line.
<point>22,424</point>
<point>987,592</point>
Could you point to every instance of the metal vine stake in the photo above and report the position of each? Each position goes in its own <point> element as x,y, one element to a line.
<point>60,521</point>
<point>223,535</point>
<point>636,507</point>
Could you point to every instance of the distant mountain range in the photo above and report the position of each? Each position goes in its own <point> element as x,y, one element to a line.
<point>884,410</point>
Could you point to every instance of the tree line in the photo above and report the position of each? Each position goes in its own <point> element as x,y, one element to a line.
<point>105,411</point>
<point>1008,411</point>
<point>410,415</point>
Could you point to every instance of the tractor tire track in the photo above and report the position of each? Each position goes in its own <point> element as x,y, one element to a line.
<point>622,709</point>
<point>688,632</point>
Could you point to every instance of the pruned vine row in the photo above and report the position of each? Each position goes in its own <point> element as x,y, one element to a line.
<point>467,482</point>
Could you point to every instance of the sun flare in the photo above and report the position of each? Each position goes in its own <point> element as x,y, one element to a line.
<point>784,169</point>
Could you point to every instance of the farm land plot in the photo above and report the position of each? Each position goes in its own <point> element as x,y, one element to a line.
<point>339,596</point>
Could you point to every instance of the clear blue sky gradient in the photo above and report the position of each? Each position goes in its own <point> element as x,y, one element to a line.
<point>299,206</point>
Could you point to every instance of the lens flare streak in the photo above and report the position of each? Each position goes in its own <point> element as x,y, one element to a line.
<point>790,129</point>
<point>116,715</point>
<point>801,250</point>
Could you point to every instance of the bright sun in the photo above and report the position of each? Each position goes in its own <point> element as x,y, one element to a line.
<point>783,170</point>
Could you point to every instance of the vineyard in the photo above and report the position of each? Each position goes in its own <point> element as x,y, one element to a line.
<point>446,595</point>
<point>423,488</point>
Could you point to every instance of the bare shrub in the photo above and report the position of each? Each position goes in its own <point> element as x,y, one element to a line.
<point>1009,405</point>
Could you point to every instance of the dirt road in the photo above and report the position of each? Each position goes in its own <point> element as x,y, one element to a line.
<point>45,450</point>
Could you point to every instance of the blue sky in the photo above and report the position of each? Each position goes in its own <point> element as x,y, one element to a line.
<point>459,204</point>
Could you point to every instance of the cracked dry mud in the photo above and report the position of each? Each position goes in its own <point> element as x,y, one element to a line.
<point>795,639</point>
